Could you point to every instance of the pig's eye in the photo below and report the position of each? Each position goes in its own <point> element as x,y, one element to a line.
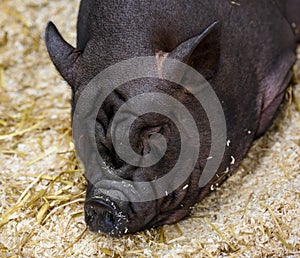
<point>147,133</point>
<point>153,130</point>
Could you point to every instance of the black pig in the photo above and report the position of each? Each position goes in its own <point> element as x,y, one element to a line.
<point>244,49</point>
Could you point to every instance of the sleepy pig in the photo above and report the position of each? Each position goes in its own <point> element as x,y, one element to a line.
<point>244,49</point>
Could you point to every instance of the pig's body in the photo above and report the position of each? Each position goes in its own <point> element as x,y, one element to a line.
<point>247,57</point>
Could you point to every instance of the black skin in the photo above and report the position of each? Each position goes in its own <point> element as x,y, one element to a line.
<point>247,58</point>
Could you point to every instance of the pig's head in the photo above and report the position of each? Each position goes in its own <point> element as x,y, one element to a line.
<point>117,201</point>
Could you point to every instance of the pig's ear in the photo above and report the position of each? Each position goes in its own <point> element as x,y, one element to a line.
<point>62,54</point>
<point>202,52</point>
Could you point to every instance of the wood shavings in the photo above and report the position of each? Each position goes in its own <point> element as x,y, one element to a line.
<point>232,160</point>
<point>235,3</point>
<point>18,16</point>
<point>185,187</point>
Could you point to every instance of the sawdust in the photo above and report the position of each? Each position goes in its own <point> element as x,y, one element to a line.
<point>256,213</point>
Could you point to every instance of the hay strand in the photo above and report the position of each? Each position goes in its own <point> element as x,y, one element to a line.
<point>275,219</point>
<point>162,238</point>
<point>220,234</point>
<point>2,83</point>
<point>42,156</point>
<point>42,211</point>
<point>21,132</point>
<point>77,239</point>
<point>80,200</point>
<point>7,216</point>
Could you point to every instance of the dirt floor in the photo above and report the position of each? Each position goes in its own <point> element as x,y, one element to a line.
<point>256,213</point>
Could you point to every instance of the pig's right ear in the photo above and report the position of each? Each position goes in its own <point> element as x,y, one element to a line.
<point>202,52</point>
<point>62,54</point>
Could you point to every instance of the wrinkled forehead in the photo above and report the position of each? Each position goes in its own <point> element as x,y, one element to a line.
<point>140,85</point>
<point>132,89</point>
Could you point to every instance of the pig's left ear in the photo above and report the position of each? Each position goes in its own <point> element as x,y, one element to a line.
<point>62,54</point>
<point>202,52</point>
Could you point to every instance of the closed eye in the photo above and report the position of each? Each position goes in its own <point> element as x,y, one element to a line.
<point>149,131</point>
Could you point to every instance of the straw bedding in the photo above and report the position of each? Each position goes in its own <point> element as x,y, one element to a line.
<point>256,213</point>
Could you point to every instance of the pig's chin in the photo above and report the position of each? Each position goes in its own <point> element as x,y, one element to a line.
<point>170,217</point>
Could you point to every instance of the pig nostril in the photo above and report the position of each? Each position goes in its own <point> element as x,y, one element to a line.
<point>109,218</point>
<point>93,215</point>
<point>100,213</point>
<point>90,214</point>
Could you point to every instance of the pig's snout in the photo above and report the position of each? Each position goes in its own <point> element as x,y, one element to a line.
<point>117,211</point>
<point>102,216</point>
